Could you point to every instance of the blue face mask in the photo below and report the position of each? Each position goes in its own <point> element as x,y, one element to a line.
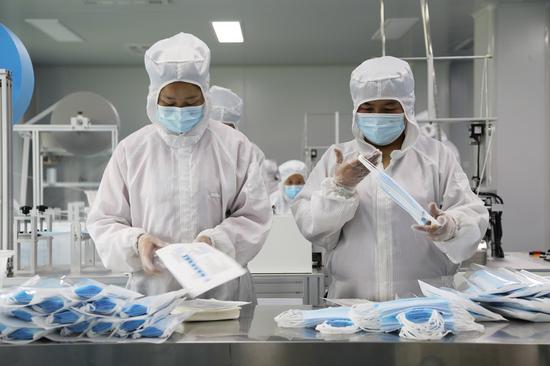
<point>292,191</point>
<point>381,129</point>
<point>179,120</point>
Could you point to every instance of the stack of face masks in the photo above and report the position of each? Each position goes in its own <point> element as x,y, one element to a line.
<point>513,294</point>
<point>85,311</point>
<point>418,318</point>
<point>384,316</point>
<point>296,318</point>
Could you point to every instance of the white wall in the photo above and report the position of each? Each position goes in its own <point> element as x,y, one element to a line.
<point>522,152</point>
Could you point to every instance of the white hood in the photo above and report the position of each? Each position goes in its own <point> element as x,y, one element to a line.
<point>384,78</point>
<point>182,57</point>
<point>227,107</point>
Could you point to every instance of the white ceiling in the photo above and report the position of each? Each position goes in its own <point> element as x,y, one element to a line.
<point>276,32</point>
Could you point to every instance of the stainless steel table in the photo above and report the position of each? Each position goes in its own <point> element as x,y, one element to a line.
<point>256,340</point>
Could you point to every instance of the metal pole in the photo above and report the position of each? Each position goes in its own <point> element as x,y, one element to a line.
<point>336,127</point>
<point>449,58</point>
<point>382,28</point>
<point>429,57</point>
<point>36,178</point>
<point>25,169</point>
<point>6,161</point>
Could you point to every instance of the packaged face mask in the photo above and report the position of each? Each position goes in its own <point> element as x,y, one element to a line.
<point>102,327</point>
<point>52,304</point>
<point>161,328</point>
<point>516,313</point>
<point>399,195</point>
<point>26,334</point>
<point>76,329</point>
<point>199,267</point>
<point>295,318</point>
<point>35,290</point>
<point>64,317</point>
<point>24,313</point>
<point>15,330</point>
<point>492,281</point>
<point>86,289</point>
<point>477,311</point>
<point>130,325</point>
<point>106,305</point>
<point>150,304</point>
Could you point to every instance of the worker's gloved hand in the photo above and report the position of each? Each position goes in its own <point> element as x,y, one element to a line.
<point>147,245</point>
<point>350,174</point>
<point>203,239</point>
<point>446,231</point>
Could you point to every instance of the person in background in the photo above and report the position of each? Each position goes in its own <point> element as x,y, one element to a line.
<point>373,253</point>
<point>183,178</point>
<point>293,174</point>
<point>227,107</point>
<point>270,173</point>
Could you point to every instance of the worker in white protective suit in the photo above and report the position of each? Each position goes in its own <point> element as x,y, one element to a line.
<point>293,175</point>
<point>227,107</point>
<point>270,173</point>
<point>374,252</point>
<point>181,179</point>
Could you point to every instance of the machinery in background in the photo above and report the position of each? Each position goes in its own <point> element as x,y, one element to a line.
<point>35,229</point>
<point>81,136</point>
<point>493,236</point>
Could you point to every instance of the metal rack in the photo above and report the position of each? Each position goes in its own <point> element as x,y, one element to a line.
<point>6,165</point>
<point>38,162</point>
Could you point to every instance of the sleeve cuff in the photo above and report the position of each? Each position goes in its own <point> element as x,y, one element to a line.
<point>329,188</point>
<point>220,241</point>
<point>135,234</point>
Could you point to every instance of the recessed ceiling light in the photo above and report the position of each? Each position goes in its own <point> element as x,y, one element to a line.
<point>228,32</point>
<point>54,29</point>
<point>395,28</point>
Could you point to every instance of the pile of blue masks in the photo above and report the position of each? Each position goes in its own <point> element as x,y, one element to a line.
<point>385,316</point>
<point>511,293</point>
<point>85,310</point>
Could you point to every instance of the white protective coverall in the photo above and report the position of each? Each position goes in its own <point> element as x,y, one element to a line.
<point>178,187</point>
<point>279,200</point>
<point>373,251</point>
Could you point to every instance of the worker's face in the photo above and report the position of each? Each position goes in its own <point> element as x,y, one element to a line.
<point>180,94</point>
<point>381,106</point>
<point>230,125</point>
<point>295,180</point>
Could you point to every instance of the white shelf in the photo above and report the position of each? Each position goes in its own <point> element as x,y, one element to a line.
<point>72,185</point>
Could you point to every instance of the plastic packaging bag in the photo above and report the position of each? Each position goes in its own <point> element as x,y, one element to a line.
<point>150,304</point>
<point>199,267</point>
